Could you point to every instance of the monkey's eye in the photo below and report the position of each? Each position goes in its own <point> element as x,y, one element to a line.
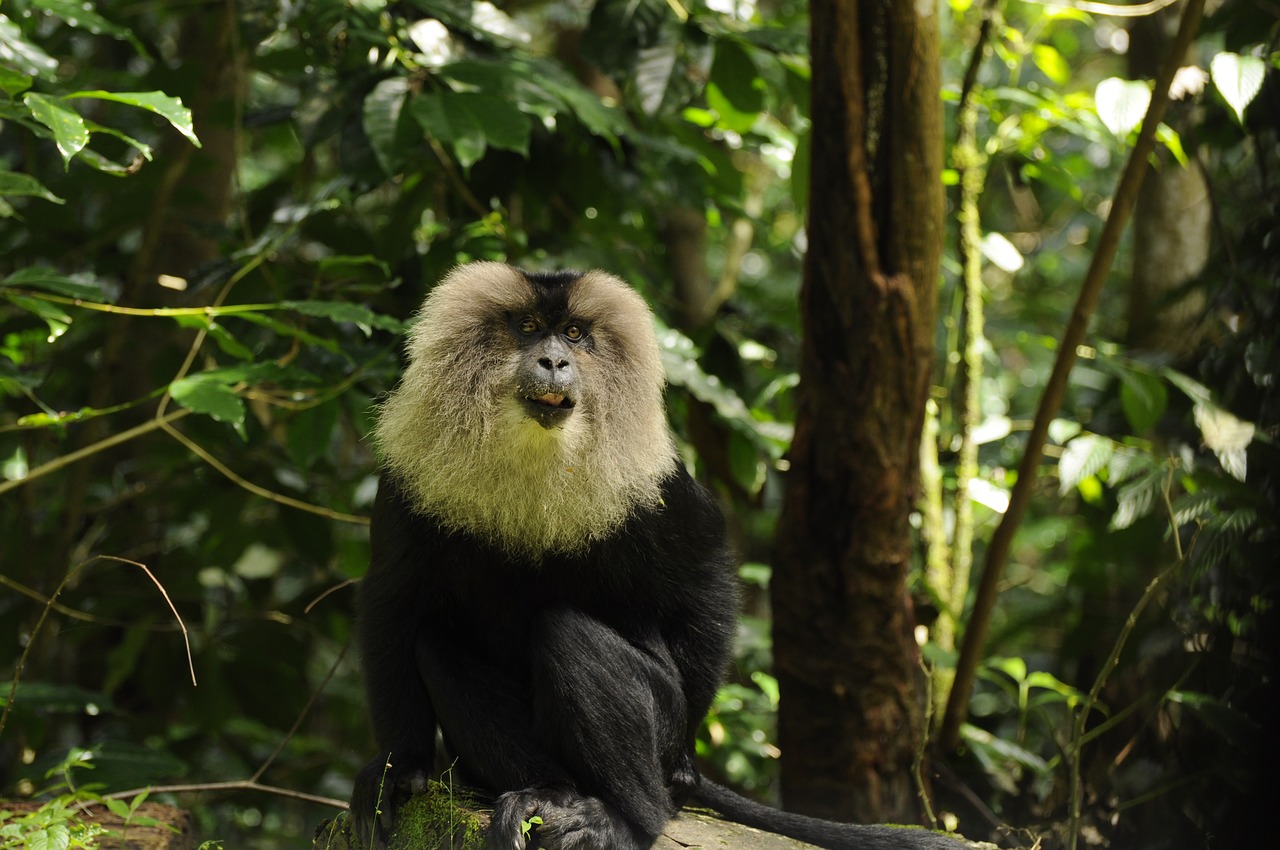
<point>574,333</point>
<point>528,325</point>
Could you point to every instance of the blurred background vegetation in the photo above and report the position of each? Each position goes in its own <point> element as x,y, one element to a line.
<point>215,218</point>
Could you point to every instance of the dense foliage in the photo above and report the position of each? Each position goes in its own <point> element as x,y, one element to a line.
<point>215,219</point>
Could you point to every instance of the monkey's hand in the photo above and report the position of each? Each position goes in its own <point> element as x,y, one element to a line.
<point>382,786</point>
<point>559,818</point>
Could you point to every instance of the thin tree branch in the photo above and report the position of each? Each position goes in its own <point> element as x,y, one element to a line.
<point>1104,255</point>
<point>49,606</point>
<point>233,785</point>
<point>199,451</point>
<point>93,448</point>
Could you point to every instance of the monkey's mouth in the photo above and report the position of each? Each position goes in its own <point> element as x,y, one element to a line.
<point>549,408</point>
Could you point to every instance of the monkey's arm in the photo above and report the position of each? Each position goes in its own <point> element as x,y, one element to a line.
<point>699,631</point>
<point>389,619</point>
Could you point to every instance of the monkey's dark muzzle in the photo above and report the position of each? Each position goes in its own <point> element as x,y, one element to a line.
<point>549,409</point>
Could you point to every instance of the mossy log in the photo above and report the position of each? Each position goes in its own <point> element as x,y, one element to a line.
<point>441,819</point>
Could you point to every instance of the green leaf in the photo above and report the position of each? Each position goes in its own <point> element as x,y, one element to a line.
<point>735,90</point>
<point>23,56</point>
<point>1136,498</point>
<point>49,280</point>
<point>211,398</point>
<point>287,330</point>
<point>224,339</point>
<point>343,311</point>
<point>1143,398</point>
<point>655,71</point>
<point>1083,457</point>
<point>14,184</point>
<point>69,131</point>
<point>258,373</point>
<point>1121,104</point>
<point>503,126</point>
<point>381,114</point>
<point>309,434</point>
<point>1238,79</point>
<point>13,83</point>
<point>53,315</point>
<point>1051,63</point>
<point>168,108</point>
<point>446,117</point>
<point>80,14</point>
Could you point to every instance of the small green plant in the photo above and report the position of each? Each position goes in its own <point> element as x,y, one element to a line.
<point>60,822</point>
<point>526,827</point>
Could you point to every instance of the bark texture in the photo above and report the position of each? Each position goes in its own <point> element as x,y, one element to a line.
<point>850,716</point>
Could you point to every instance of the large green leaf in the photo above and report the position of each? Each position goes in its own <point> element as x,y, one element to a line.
<point>70,133</point>
<point>210,397</point>
<point>444,118</point>
<point>735,90</point>
<point>23,56</point>
<point>167,107</point>
<point>381,114</point>
<point>1143,398</point>
<point>503,125</point>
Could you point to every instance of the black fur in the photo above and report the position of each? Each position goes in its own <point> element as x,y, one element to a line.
<point>569,685</point>
<point>572,685</point>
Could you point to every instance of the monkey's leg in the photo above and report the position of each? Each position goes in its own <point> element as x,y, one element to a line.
<point>487,721</point>
<point>613,714</point>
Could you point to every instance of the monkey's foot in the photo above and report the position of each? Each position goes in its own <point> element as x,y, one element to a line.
<point>559,819</point>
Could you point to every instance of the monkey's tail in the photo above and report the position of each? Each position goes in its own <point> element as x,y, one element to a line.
<point>824,833</point>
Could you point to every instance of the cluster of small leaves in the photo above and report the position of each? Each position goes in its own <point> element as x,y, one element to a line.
<point>52,115</point>
<point>59,823</point>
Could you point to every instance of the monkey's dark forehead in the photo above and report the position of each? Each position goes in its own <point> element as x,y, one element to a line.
<point>551,290</point>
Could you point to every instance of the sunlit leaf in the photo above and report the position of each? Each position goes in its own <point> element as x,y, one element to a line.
<point>169,108</point>
<point>69,131</point>
<point>81,14</point>
<point>1226,436</point>
<point>999,250</point>
<point>1051,63</point>
<point>653,75</point>
<point>1121,104</point>
<point>381,113</point>
<point>735,90</point>
<point>1238,79</point>
<point>1084,456</point>
<point>1137,498</point>
<point>23,56</point>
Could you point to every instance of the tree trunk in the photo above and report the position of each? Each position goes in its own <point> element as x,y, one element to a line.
<point>850,718</point>
<point>1172,223</point>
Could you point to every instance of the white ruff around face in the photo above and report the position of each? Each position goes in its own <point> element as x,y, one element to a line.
<point>455,435</point>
